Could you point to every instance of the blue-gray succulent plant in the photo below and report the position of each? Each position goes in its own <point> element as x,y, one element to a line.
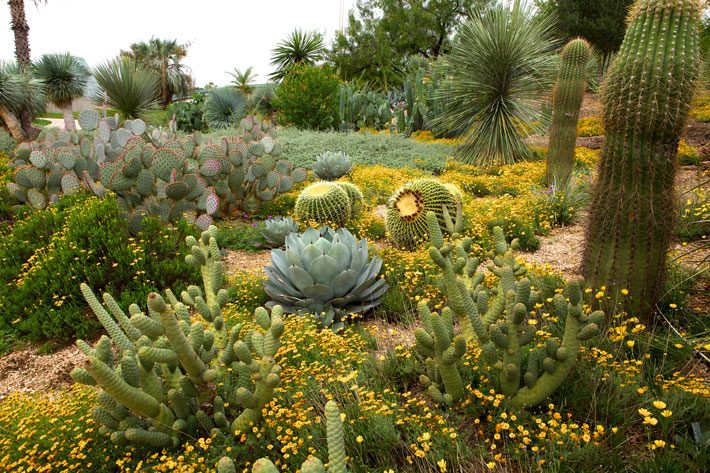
<point>277,229</point>
<point>332,165</point>
<point>326,273</point>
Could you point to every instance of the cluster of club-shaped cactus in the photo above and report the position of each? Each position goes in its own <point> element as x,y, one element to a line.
<point>277,229</point>
<point>155,172</point>
<point>332,165</point>
<point>180,372</point>
<point>497,319</point>
<point>336,450</point>
<point>326,273</point>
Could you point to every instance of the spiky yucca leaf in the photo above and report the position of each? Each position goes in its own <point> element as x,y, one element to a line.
<point>224,108</point>
<point>498,66</point>
<point>127,86</point>
<point>64,77</point>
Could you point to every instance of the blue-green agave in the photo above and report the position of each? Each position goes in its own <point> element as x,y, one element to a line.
<point>277,229</point>
<point>332,165</point>
<point>327,273</point>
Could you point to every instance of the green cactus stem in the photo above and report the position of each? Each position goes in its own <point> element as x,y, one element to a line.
<point>646,98</point>
<point>567,99</point>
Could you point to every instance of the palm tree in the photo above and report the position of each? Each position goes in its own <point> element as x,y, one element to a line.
<point>64,77</point>
<point>243,80</point>
<point>498,70</point>
<point>300,47</point>
<point>127,85</point>
<point>164,57</point>
<point>21,30</point>
<point>19,92</point>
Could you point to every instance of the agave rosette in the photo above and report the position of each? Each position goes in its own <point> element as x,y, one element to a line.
<point>327,273</point>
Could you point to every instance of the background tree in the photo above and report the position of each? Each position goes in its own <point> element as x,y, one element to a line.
<point>382,34</point>
<point>164,57</point>
<point>299,47</point>
<point>21,30</point>
<point>127,85</point>
<point>64,77</point>
<point>243,81</point>
<point>19,92</point>
<point>601,22</point>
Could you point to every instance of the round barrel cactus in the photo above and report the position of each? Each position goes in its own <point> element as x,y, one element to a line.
<point>325,203</point>
<point>406,213</point>
<point>326,273</point>
<point>332,165</point>
<point>355,196</point>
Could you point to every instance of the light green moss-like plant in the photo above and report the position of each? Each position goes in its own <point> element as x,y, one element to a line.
<point>646,97</point>
<point>175,377</point>
<point>497,319</point>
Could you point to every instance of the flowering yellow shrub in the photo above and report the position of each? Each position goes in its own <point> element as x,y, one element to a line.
<point>700,110</point>
<point>590,126</point>
<point>587,157</point>
<point>687,154</point>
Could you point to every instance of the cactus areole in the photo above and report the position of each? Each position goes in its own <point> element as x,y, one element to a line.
<point>646,99</point>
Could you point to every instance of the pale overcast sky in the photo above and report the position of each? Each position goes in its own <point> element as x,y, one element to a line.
<point>223,34</point>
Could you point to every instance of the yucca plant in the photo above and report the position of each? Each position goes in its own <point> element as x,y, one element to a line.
<point>18,92</point>
<point>224,108</point>
<point>299,47</point>
<point>127,86</point>
<point>499,65</point>
<point>64,77</point>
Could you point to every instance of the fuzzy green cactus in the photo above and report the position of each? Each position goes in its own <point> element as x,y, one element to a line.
<point>175,376</point>
<point>567,99</point>
<point>444,351</point>
<point>646,98</point>
<point>336,450</point>
<point>498,319</point>
<point>325,203</point>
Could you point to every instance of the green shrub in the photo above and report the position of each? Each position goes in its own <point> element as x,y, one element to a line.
<point>46,256</point>
<point>308,97</point>
<point>241,235</point>
<point>517,228</point>
<point>188,115</point>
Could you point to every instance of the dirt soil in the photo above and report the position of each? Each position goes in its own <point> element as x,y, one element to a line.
<point>28,371</point>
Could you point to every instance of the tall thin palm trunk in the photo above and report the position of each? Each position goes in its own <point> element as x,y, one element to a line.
<point>19,26</point>
<point>68,114</point>
<point>164,84</point>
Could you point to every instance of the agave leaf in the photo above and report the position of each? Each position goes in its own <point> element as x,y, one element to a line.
<point>318,292</point>
<point>308,255</point>
<point>279,260</point>
<point>299,277</point>
<point>324,269</point>
<point>343,282</point>
<point>341,254</point>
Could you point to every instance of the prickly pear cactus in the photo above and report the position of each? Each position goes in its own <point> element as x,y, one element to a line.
<point>646,98</point>
<point>180,372</point>
<point>497,319</point>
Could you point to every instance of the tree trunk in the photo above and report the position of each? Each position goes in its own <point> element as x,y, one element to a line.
<point>13,125</point>
<point>19,26</point>
<point>68,113</point>
<point>164,85</point>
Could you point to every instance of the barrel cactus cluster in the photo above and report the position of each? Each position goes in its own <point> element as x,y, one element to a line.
<point>155,172</point>
<point>332,165</point>
<point>329,203</point>
<point>497,319</point>
<point>326,273</point>
<point>180,373</point>
<point>335,438</point>
<point>407,210</point>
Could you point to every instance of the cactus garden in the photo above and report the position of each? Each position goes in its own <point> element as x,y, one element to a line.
<point>451,236</point>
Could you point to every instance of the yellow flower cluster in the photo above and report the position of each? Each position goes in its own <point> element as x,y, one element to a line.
<point>590,126</point>
<point>701,108</point>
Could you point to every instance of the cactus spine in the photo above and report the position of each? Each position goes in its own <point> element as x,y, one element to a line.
<point>336,450</point>
<point>646,97</point>
<point>497,319</point>
<point>567,99</point>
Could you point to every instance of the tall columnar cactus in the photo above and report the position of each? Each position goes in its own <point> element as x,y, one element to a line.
<point>646,97</point>
<point>178,374</point>
<point>444,351</point>
<point>567,99</point>
<point>336,450</point>
<point>498,318</point>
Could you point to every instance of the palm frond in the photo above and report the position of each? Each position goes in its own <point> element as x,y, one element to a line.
<point>64,77</point>
<point>496,77</point>
<point>19,91</point>
<point>299,47</point>
<point>128,86</point>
